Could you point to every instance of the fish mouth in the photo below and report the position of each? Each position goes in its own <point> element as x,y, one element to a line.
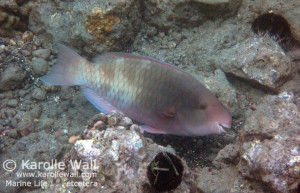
<point>222,127</point>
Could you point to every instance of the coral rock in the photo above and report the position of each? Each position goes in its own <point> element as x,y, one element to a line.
<point>42,53</point>
<point>94,27</point>
<point>271,144</point>
<point>258,60</point>
<point>118,157</point>
<point>12,78</point>
<point>181,13</point>
<point>13,17</point>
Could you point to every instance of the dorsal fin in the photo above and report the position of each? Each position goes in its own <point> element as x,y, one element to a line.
<point>110,56</point>
<point>106,57</point>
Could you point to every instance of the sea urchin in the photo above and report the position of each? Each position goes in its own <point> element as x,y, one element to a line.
<point>165,171</point>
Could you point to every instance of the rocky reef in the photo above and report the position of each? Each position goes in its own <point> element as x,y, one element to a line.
<point>270,150</point>
<point>97,26</point>
<point>246,52</point>
<point>266,155</point>
<point>114,157</point>
<point>14,17</point>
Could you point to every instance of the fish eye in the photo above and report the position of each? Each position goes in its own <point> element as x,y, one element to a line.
<point>202,105</point>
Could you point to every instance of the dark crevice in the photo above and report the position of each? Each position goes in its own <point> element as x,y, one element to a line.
<point>253,83</point>
<point>260,137</point>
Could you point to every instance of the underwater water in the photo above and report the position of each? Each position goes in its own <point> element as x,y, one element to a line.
<point>206,99</point>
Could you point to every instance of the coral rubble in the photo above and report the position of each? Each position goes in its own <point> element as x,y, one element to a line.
<point>118,155</point>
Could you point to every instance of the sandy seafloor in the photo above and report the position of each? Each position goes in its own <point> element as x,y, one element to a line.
<point>246,52</point>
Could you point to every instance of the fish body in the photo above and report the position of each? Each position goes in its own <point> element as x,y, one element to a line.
<point>163,97</point>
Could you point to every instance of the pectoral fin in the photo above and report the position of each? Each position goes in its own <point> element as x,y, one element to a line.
<point>97,101</point>
<point>167,114</point>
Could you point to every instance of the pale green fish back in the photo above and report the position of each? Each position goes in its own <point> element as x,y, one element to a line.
<point>133,83</point>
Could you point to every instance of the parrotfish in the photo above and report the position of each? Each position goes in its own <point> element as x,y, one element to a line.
<point>166,99</point>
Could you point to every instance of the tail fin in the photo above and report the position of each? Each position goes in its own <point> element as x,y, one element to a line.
<point>66,69</point>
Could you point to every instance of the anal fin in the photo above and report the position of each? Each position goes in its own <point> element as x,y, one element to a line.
<point>152,130</point>
<point>97,101</point>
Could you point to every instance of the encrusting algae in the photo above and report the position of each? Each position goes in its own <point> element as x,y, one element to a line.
<point>99,24</point>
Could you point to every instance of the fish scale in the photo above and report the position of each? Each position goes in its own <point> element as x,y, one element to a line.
<point>166,99</point>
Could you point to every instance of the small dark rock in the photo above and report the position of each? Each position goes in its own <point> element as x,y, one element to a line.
<point>13,134</point>
<point>126,122</point>
<point>39,66</point>
<point>36,111</point>
<point>25,53</point>
<point>12,103</point>
<point>152,31</point>
<point>22,93</point>
<point>42,53</point>
<point>39,94</point>
<point>27,36</point>
<point>12,78</point>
